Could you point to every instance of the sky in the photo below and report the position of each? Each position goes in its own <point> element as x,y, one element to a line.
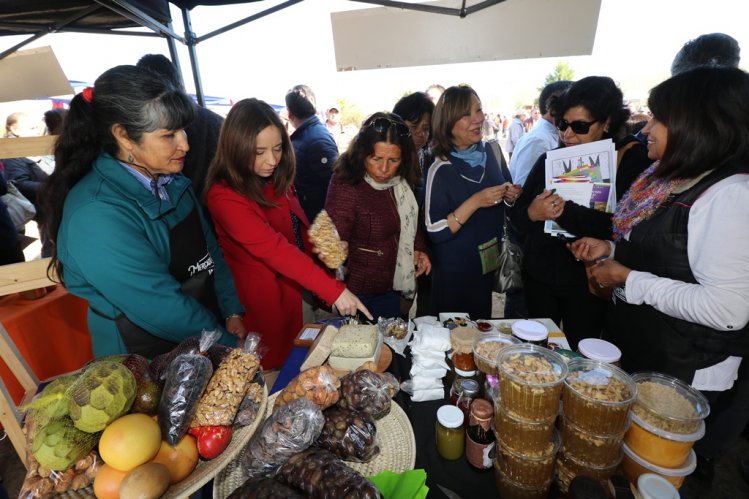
<point>635,43</point>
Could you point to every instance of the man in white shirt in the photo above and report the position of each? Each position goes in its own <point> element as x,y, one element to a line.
<point>543,137</point>
<point>515,131</point>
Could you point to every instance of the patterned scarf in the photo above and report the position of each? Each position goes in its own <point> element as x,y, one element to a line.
<point>404,279</point>
<point>641,200</point>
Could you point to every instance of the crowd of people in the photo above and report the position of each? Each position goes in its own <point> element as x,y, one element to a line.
<point>419,198</point>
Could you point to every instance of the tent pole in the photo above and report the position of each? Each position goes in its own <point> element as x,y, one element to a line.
<point>174,56</point>
<point>190,40</point>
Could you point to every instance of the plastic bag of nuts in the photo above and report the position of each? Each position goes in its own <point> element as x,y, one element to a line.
<point>320,474</point>
<point>318,384</point>
<point>290,429</point>
<point>219,403</point>
<point>350,435</point>
<point>396,333</point>
<point>366,392</point>
<point>323,234</point>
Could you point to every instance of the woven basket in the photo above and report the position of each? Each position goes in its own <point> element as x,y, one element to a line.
<point>397,452</point>
<point>205,470</point>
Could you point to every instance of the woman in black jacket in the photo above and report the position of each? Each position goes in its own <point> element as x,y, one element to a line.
<point>555,284</point>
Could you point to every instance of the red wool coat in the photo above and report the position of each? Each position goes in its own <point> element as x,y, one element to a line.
<point>269,270</point>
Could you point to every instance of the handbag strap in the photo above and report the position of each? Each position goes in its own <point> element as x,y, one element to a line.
<point>497,151</point>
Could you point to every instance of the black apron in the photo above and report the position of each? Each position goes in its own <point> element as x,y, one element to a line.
<point>192,266</point>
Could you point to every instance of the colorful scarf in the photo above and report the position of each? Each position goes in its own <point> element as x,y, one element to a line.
<point>641,201</point>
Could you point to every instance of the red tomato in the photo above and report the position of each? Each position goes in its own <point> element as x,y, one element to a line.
<point>212,440</point>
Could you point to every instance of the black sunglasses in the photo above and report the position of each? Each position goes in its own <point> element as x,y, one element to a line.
<point>578,126</point>
<point>382,124</point>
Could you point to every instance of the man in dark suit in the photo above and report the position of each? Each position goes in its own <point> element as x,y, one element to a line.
<point>315,150</point>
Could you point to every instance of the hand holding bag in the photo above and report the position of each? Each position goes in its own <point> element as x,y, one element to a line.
<point>20,209</point>
<point>508,276</point>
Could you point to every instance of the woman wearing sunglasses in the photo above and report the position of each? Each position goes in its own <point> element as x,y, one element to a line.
<point>464,206</point>
<point>262,228</point>
<point>372,204</point>
<point>555,284</point>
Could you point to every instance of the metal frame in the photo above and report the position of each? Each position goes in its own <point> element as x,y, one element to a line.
<point>158,29</point>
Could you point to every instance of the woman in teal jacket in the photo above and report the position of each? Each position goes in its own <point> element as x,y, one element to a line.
<point>129,234</point>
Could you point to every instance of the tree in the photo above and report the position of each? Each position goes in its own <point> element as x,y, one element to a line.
<point>562,71</point>
<point>351,113</point>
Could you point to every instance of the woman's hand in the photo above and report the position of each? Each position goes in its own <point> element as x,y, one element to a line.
<point>422,263</point>
<point>347,304</point>
<point>235,325</point>
<point>491,196</point>
<point>512,193</point>
<point>610,273</point>
<point>546,206</point>
<point>589,249</point>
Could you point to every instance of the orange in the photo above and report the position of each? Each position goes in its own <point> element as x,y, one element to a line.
<point>180,459</point>
<point>130,441</point>
<point>107,482</point>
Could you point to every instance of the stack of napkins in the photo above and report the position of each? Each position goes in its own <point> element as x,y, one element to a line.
<point>428,347</point>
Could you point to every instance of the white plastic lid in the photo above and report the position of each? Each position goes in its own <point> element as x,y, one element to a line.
<point>601,350</point>
<point>530,330</point>
<point>450,416</point>
<point>652,486</point>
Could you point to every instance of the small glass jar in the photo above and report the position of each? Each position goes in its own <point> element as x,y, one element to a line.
<point>449,431</point>
<point>531,332</point>
<point>600,350</point>
<point>462,393</point>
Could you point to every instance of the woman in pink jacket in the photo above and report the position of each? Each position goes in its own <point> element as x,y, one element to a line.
<point>262,228</point>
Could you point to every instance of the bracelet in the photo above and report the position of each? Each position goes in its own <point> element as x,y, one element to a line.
<point>455,217</point>
<point>241,316</point>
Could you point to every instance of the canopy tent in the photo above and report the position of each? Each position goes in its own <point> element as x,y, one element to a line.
<point>38,18</point>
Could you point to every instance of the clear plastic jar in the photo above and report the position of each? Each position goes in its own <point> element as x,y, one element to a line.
<point>450,434</point>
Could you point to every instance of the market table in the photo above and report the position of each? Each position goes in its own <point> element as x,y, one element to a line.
<point>456,476</point>
<point>50,333</point>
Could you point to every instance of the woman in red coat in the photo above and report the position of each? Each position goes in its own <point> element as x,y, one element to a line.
<point>263,231</point>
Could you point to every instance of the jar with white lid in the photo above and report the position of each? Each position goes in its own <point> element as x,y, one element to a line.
<point>531,332</point>
<point>600,350</point>
<point>450,433</point>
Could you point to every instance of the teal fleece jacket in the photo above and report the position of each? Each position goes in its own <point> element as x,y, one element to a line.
<point>114,245</point>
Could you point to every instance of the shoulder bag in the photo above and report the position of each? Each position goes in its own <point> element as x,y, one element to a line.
<point>508,277</point>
